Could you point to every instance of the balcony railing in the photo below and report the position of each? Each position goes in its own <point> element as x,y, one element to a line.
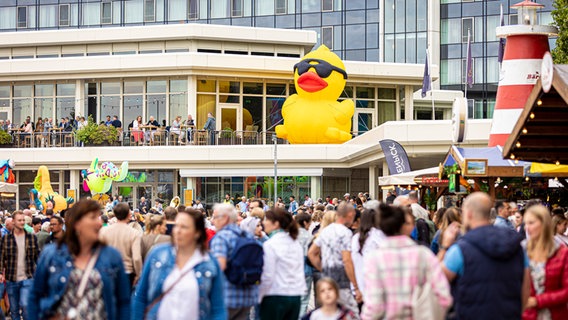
<point>159,137</point>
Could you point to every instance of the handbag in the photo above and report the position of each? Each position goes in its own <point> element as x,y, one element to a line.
<point>425,305</point>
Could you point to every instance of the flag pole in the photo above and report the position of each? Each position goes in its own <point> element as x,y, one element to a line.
<point>467,61</point>
<point>431,86</point>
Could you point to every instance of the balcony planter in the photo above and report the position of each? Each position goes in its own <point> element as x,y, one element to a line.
<point>5,140</point>
<point>226,136</point>
<point>94,134</point>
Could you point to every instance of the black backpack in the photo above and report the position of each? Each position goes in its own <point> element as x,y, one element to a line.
<point>244,266</point>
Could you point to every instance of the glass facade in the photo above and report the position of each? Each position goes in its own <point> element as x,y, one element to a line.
<point>350,28</point>
<point>480,18</point>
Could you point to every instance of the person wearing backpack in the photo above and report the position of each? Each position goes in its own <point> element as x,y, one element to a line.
<point>283,283</point>
<point>240,257</point>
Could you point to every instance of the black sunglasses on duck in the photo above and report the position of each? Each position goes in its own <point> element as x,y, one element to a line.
<point>323,68</point>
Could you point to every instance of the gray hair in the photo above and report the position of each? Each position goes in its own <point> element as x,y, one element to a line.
<point>225,209</point>
<point>372,205</point>
<point>45,226</point>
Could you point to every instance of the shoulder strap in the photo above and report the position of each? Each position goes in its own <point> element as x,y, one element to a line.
<point>87,272</point>
<point>163,294</point>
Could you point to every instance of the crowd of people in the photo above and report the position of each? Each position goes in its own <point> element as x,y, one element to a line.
<point>353,258</point>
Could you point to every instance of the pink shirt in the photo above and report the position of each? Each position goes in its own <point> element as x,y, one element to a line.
<point>393,271</point>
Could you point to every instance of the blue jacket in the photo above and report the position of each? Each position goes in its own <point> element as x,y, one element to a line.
<point>52,274</point>
<point>491,285</point>
<point>159,263</point>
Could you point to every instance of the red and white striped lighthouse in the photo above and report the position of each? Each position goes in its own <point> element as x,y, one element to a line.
<point>526,44</point>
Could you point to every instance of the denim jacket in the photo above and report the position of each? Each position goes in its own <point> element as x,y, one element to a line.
<point>52,274</point>
<point>159,263</point>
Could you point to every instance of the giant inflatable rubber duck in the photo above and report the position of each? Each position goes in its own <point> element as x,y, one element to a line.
<point>314,115</point>
<point>44,192</point>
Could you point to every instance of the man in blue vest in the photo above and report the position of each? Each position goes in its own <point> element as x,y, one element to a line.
<point>487,267</point>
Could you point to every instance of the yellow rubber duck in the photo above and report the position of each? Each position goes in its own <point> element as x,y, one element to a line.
<point>313,115</point>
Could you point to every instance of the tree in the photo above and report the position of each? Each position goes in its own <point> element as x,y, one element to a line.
<point>560,16</point>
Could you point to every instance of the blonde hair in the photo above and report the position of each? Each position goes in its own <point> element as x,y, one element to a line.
<point>258,213</point>
<point>153,221</point>
<point>556,220</point>
<point>328,218</point>
<point>317,216</point>
<point>545,241</point>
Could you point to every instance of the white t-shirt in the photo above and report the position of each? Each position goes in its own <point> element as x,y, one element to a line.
<point>21,266</point>
<point>185,293</point>
<point>333,240</point>
<point>374,237</point>
<point>319,315</point>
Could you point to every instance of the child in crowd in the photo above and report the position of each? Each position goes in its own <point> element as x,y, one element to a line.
<point>328,296</point>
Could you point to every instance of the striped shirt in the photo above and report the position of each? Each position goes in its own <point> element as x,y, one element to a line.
<point>393,271</point>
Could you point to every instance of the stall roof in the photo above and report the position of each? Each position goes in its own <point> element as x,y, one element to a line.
<point>407,178</point>
<point>496,165</point>
<point>8,187</point>
<point>540,134</point>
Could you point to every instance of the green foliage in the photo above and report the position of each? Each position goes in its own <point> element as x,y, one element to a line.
<point>95,134</point>
<point>5,137</point>
<point>227,133</point>
<point>560,16</point>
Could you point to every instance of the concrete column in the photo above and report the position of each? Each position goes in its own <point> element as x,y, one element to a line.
<point>374,181</point>
<point>408,103</point>
<point>80,99</point>
<point>192,97</point>
<point>385,173</point>
<point>75,183</point>
<point>315,189</point>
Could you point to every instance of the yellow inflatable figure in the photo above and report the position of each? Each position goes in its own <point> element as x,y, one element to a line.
<point>45,193</point>
<point>314,115</point>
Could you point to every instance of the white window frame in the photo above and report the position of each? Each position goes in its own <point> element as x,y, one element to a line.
<point>464,38</point>
<point>61,6</point>
<point>18,17</point>
<point>146,16</point>
<point>189,16</point>
<point>276,7</point>
<point>238,15</point>
<point>328,28</point>
<point>322,6</point>
<point>108,3</point>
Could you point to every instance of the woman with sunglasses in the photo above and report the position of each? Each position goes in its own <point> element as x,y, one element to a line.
<point>181,280</point>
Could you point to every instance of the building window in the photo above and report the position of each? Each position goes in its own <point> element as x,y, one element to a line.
<point>237,8</point>
<point>513,19</point>
<point>280,6</point>
<point>106,13</point>
<point>467,26</point>
<point>149,10</point>
<point>64,15</point>
<point>327,36</point>
<point>193,13</point>
<point>22,17</point>
<point>327,5</point>
<point>464,70</point>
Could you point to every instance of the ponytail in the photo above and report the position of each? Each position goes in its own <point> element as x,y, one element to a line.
<point>285,219</point>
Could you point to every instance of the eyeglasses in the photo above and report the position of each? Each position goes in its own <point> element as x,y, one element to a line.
<point>323,68</point>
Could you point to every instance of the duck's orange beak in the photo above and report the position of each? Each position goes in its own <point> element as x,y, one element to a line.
<point>311,82</point>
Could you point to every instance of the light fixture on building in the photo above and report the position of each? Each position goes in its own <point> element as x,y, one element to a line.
<point>525,131</point>
<point>532,115</point>
<point>539,102</point>
<point>527,179</point>
<point>555,178</point>
<point>512,156</point>
<point>518,144</point>
<point>557,162</point>
<point>516,161</point>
